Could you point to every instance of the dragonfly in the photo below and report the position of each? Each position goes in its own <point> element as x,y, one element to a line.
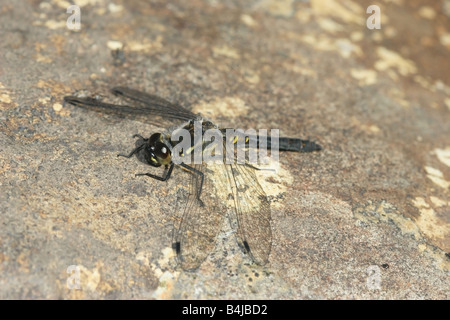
<point>219,190</point>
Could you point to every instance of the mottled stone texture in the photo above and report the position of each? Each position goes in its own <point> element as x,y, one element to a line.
<point>367,217</point>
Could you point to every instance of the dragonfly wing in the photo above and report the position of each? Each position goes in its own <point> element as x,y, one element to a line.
<point>252,213</point>
<point>148,103</point>
<point>196,230</point>
<point>251,216</point>
<point>141,106</point>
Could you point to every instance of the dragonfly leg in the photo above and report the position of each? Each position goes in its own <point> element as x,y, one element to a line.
<point>201,175</point>
<point>131,153</point>
<point>164,178</point>
<point>256,168</point>
<point>137,135</point>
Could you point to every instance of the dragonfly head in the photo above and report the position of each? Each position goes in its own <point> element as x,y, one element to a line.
<point>156,152</point>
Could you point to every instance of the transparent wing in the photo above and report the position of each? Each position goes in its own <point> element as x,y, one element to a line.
<point>196,230</point>
<point>142,106</point>
<point>148,103</point>
<point>251,217</point>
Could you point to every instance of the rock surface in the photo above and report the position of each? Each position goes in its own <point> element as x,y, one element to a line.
<point>367,217</point>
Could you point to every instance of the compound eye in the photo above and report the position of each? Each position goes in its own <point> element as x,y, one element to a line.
<point>154,138</point>
<point>161,151</point>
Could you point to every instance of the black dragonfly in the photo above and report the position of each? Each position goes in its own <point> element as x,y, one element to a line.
<point>216,190</point>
